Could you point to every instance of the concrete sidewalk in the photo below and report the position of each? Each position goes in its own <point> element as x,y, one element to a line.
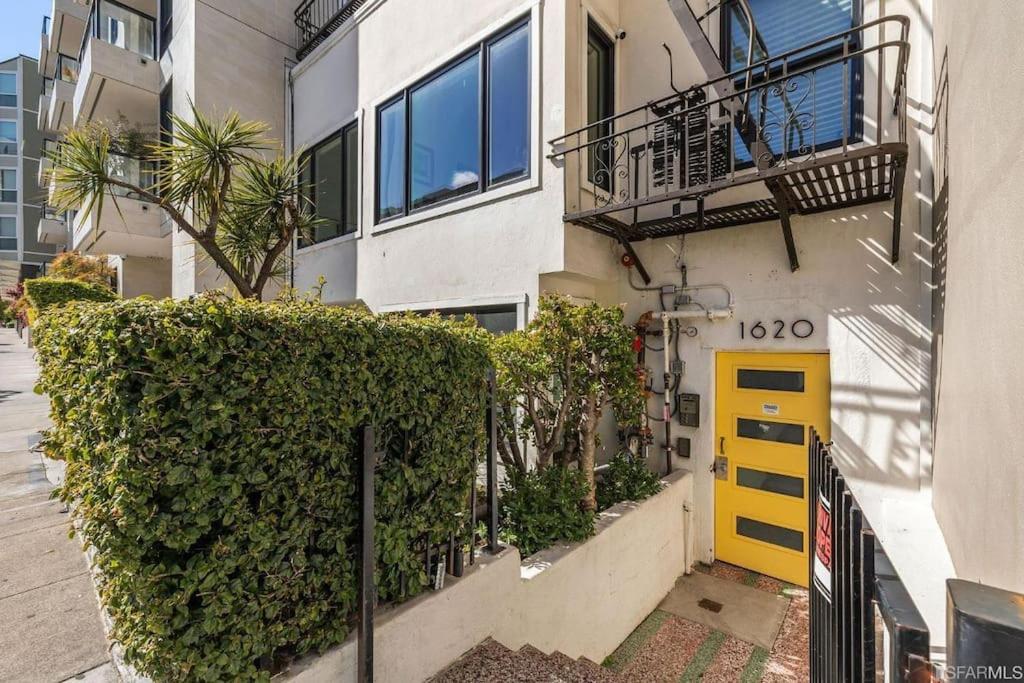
<point>50,625</point>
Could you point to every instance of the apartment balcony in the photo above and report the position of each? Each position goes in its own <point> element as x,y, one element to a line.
<point>127,225</point>
<point>760,143</point>
<point>43,112</point>
<point>315,20</point>
<point>50,150</point>
<point>120,76</point>
<point>62,95</point>
<point>62,34</point>
<point>52,227</point>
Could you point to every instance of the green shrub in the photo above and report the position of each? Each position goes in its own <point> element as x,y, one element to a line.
<point>627,478</point>
<point>213,464</point>
<point>542,507</point>
<point>46,292</point>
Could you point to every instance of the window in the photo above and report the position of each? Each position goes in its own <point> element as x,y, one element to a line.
<point>459,131</point>
<point>8,185</point>
<point>498,319</point>
<point>123,27</point>
<point>166,23</point>
<point>785,26</point>
<point>8,233</point>
<point>600,103</point>
<point>330,182</point>
<point>8,89</point>
<point>8,136</point>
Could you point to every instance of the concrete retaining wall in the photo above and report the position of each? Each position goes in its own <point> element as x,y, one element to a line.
<point>582,600</point>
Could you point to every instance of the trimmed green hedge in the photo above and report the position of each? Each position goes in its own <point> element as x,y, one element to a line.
<point>212,461</point>
<point>45,292</point>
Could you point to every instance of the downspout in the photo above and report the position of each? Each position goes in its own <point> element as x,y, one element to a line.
<point>289,116</point>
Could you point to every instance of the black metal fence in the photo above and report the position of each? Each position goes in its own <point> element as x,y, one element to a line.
<point>856,596</point>
<point>440,559</point>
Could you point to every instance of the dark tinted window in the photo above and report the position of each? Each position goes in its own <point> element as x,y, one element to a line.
<point>509,106</point>
<point>765,430</point>
<point>600,102</point>
<point>770,533</point>
<point>770,482</point>
<point>771,380</point>
<point>330,184</point>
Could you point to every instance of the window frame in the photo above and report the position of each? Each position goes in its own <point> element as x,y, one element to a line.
<point>857,85</point>
<point>165,24</point>
<point>309,160</point>
<point>10,147</point>
<point>15,237</point>
<point>17,99</point>
<point>4,190</point>
<point>481,49</point>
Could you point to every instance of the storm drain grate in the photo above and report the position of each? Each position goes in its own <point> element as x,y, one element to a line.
<point>710,605</point>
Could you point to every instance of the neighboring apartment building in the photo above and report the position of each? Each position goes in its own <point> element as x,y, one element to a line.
<point>472,156</point>
<point>133,62</point>
<point>20,196</point>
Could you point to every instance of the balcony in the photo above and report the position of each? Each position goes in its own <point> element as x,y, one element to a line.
<point>120,76</point>
<point>50,150</point>
<point>757,144</point>
<point>127,225</point>
<point>43,112</point>
<point>52,227</point>
<point>315,20</point>
<point>62,34</point>
<point>58,115</point>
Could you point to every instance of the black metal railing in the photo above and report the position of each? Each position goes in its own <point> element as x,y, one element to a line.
<point>855,593</point>
<point>440,559</point>
<point>317,19</point>
<point>782,114</point>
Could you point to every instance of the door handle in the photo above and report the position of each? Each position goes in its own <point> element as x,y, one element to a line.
<point>721,445</point>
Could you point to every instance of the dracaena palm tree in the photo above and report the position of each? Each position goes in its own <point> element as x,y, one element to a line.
<point>213,179</point>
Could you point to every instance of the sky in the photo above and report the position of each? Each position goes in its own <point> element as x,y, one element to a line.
<point>21,26</point>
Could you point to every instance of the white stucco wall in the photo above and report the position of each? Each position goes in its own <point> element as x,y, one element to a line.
<point>581,599</point>
<point>979,310</point>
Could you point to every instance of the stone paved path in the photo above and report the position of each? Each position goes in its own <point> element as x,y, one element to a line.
<point>50,626</point>
<point>664,648</point>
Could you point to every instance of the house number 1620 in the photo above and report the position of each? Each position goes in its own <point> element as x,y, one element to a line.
<point>776,329</point>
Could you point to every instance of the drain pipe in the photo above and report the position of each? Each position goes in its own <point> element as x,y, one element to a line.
<point>722,313</point>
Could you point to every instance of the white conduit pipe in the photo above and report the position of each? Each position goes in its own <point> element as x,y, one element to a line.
<point>722,313</point>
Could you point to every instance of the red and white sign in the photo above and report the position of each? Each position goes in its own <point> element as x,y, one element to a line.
<point>823,548</point>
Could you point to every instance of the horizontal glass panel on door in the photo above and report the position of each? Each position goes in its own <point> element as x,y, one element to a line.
<point>767,430</point>
<point>770,482</point>
<point>125,28</point>
<point>770,533</point>
<point>445,138</point>
<point>770,380</point>
<point>509,107</point>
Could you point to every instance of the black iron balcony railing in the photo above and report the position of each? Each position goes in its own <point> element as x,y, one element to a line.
<point>317,19</point>
<point>68,68</point>
<point>799,126</point>
<point>122,27</point>
<point>855,593</point>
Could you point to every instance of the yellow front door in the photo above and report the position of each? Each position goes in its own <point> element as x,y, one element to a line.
<point>766,404</point>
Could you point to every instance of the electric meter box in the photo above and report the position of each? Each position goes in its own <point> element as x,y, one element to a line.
<point>688,409</point>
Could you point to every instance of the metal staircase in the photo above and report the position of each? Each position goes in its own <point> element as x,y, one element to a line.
<point>630,175</point>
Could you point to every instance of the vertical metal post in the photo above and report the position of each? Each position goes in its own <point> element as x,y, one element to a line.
<point>367,589</point>
<point>492,465</point>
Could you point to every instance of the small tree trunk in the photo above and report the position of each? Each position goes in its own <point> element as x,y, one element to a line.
<point>588,449</point>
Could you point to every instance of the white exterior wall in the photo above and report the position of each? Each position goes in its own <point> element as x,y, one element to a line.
<point>872,317</point>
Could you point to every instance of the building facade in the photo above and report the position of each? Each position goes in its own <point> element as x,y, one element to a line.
<point>21,201</point>
<point>783,197</point>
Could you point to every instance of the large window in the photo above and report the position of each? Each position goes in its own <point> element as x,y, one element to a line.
<point>461,130</point>
<point>600,103</point>
<point>330,182</point>
<point>8,233</point>
<point>8,185</point>
<point>8,89</point>
<point>124,27</point>
<point>830,98</point>
<point>8,136</point>
<point>166,23</point>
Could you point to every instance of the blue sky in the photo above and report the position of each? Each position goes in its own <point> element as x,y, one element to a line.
<point>21,25</point>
